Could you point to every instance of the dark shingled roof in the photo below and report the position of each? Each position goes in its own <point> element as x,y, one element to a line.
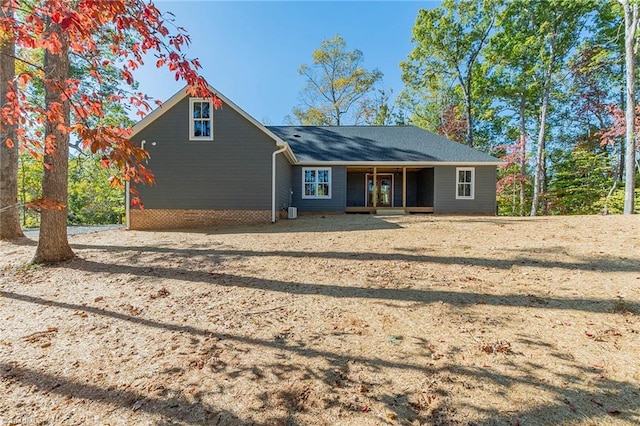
<point>375,144</point>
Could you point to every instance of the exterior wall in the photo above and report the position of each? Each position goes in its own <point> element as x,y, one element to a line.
<point>424,194</point>
<point>336,203</point>
<point>419,185</point>
<point>182,219</point>
<point>232,172</point>
<point>397,190</point>
<point>356,189</point>
<point>412,189</point>
<point>283,183</point>
<point>444,199</point>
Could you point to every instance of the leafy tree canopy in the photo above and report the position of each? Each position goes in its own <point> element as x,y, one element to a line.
<point>337,85</point>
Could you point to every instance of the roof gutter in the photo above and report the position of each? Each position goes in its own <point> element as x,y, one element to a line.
<point>399,163</point>
<point>273,182</point>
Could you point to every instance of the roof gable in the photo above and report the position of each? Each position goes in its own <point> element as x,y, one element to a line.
<point>183,93</point>
<point>376,144</point>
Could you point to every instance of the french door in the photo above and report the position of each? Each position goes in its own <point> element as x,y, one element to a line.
<point>382,191</point>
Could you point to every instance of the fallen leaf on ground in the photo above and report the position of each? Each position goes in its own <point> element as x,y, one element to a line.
<point>34,337</point>
<point>570,405</point>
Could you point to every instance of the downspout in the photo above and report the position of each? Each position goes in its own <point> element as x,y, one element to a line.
<point>273,182</point>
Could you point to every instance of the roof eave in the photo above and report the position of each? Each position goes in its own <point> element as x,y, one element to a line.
<point>289,152</point>
<point>399,163</point>
<point>158,112</point>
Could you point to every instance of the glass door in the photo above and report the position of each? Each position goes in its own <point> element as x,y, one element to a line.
<point>382,191</point>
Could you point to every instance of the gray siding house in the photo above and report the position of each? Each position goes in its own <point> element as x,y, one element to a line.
<point>217,166</point>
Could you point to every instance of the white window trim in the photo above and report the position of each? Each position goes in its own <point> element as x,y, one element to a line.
<point>473,182</point>
<point>192,119</point>
<point>317,197</point>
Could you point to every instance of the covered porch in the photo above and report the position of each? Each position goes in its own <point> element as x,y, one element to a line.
<point>390,190</point>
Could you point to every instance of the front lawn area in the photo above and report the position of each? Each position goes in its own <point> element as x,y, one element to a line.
<point>337,320</point>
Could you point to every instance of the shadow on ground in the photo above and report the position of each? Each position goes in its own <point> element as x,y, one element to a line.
<point>569,404</point>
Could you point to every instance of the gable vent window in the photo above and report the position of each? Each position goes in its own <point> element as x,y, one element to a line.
<point>316,182</point>
<point>200,120</point>
<point>465,177</point>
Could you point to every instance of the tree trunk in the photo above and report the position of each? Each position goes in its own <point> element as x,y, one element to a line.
<point>540,151</point>
<point>631,24</point>
<point>469,114</point>
<point>523,152</point>
<point>621,141</point>
<point>9,215</point>
<point>539,182</point>
<point>53,245</point>
<point>465,83</point>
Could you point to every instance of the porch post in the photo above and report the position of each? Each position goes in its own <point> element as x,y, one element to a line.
<point>375,187</point>
<point>404,187</point>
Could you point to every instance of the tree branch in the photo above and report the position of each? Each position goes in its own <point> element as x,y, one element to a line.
<point>24,61</point>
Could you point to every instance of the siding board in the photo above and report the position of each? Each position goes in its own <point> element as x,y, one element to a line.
<point>231,172</point>
<point>412,189</point>
<point>338,199</point>
<point>445,200</point>
<point>283,182</point>
<point>424,195</point>
<point>355,189</point>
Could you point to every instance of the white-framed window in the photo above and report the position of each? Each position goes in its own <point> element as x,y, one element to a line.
<point>465,183</point>
<point>200,119</point>
<point>316,182</point>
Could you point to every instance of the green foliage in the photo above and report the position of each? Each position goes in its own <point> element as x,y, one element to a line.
<point>614,204</point>
<point>509,201</point>
<point>434,106</point>
<point>313,116</point>
<point>29,187</point>
<point>508,70</point>
<point>336,85</point>
<point>511,80</point>
<point>92,198</point>
<point>377,110</point>
<point>509,190</point>
<point>581,179</point>
<point>442,71</point>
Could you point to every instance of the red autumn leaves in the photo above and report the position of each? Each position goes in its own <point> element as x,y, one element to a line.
<point>99,37</point>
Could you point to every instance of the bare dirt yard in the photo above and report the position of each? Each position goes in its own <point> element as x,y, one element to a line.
<point>337,320</point>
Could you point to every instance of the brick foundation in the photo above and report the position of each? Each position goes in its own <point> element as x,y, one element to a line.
<point>177,219</point>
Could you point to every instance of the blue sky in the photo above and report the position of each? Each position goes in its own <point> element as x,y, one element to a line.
<point>250,50</point>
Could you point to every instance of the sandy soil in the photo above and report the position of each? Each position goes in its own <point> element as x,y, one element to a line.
<point>341,320</point>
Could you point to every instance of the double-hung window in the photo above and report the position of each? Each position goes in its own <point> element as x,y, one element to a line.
<point>316,182</point>
<point>200,119</point>
<point>465,183</point>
